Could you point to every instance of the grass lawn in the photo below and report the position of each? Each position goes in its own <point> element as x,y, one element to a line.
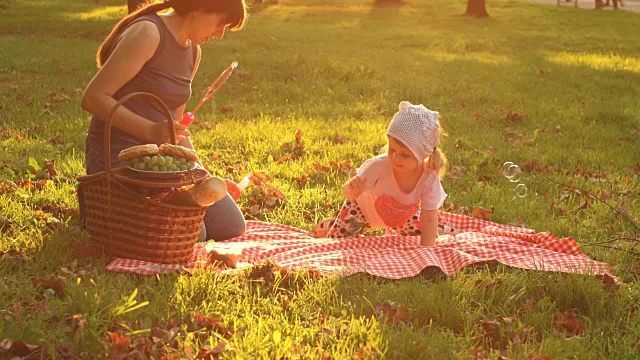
<point>554,90</point>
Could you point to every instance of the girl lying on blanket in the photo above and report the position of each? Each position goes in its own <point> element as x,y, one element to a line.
<point>399,190</point>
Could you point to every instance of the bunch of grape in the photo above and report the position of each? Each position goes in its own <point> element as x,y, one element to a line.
<point>161,163</point>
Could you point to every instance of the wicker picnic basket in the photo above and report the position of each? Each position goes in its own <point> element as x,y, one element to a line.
<point>125,222</point>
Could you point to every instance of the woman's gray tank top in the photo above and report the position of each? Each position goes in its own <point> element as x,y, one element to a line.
<point>167,75</point>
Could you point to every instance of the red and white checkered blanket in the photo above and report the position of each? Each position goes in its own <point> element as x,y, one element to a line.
<point>393,256</point>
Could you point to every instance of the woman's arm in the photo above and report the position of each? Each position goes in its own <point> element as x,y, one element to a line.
<point>136,45</point>
<point>186,141</point>
<point>429,230</point>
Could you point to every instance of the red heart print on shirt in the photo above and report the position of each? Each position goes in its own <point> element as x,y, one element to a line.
<point>393,213</point>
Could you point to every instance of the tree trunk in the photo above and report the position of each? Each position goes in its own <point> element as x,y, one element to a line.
<point>476,8</point>
<point>133,4</point>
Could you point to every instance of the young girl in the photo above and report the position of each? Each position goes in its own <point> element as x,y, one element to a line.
<point>400,190</point>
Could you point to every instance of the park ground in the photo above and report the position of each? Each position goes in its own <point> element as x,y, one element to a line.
<point>552,89</point>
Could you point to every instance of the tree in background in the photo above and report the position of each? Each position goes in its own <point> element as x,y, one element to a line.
<point>476,8</point>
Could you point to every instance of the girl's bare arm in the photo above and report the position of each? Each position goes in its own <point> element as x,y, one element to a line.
<point>429,230</point>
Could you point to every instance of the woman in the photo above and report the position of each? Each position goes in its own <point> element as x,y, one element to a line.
<point>158,54</point>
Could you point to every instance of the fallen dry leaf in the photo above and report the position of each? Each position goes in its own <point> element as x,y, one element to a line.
<point>365,352</point>
<point>609,283</point>
<point>6,225</point>
<point>568,323</point>
<point>50,165</point>
<point>527,306</point>
<point>302,180</point>
<point>229,260</point>
<point>487,282</point>
<point>118,344</point>
<point>56,140</point>
<point>208,352</point>
<point>482,213</point>
<point>514,116</point>
<point>57,285</point>
<point>226,109</point>
<point>605,195</point>
<point>478,354</point>
<point>209,323</point>
<point>19,348</point>
<point>401,315</point>
<point>292,151</point>
<point>392,314</point>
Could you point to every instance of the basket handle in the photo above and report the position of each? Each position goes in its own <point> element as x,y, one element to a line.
<point>107,131</point>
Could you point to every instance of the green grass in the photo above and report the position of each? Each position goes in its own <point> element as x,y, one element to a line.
<point>554,90</point>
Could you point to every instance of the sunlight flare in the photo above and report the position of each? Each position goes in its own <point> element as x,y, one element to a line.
<point>597,61</point>
<point>99,13</point>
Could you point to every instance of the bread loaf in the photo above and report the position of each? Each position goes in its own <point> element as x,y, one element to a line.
<point>178,151</point>
<point>203,194</point>
<point>138,151</point>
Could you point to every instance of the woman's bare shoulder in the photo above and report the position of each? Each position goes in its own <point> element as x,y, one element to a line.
<point>143,31</point>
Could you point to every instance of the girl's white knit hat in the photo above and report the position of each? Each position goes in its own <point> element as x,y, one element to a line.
<point>417,128</point>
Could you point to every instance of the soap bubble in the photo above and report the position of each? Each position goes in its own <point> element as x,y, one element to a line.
<point>521,190</point>
<point>513,173</point>
<point>505,167</point>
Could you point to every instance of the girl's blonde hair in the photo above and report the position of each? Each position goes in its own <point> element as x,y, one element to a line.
<point>235,12</point>
<point>437,162</point>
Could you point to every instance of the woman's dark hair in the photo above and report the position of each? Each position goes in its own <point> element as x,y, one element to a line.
<point>234,10</point>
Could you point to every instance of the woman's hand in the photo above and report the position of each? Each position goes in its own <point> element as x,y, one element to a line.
<point>354,187</point>
<point>159,132</point>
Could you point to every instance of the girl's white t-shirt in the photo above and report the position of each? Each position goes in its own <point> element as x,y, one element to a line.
<point>385,205</point>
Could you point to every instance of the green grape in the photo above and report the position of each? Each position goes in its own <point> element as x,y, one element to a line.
<point>163,168</point>
<point>146,159</point>
<point>142,165</point>
<point>182,160</point>
<point>161,160</point>
<point>131,163</point>
<point>139,166</point>
<point>183,167</point>
<point>154,160</point>
<point>155,168</point>
<point>168,160</point>
<point>173,167</point>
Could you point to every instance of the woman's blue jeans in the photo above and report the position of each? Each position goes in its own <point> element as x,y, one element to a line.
<point>222,221</point>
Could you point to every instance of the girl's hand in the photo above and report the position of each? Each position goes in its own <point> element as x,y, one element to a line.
<point>429,227</point>
<point>160,132</point>
<point>354,187</point>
